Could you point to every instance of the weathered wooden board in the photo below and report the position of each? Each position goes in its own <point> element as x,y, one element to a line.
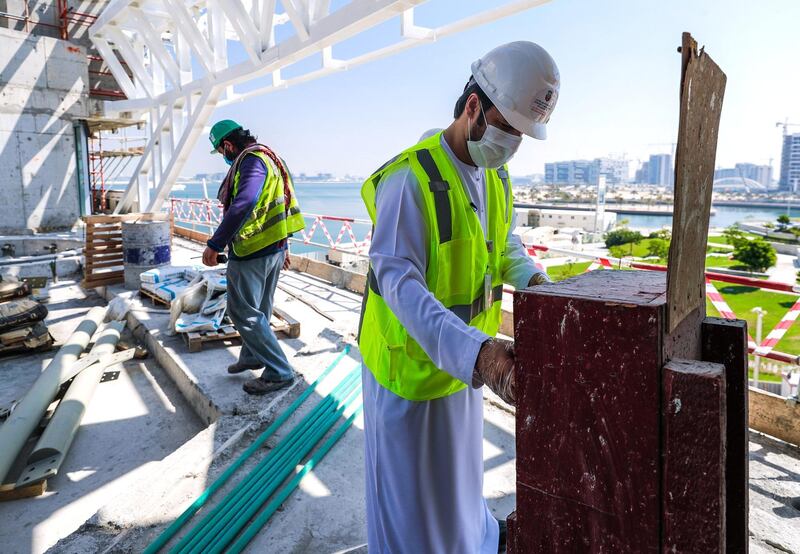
<point>774,415</point>
<point>693,453</point>
<point>725,342</point>
<point>701,93</point>
<point>588,381</point>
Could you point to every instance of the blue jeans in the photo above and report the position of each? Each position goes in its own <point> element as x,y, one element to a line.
<point>251,289</point>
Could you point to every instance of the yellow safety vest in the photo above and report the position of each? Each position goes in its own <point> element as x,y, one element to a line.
<point>460,260</point>
<point>269,221</point>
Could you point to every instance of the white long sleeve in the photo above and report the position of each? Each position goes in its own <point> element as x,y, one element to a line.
<point>399,256</point>
<point>518,267</point>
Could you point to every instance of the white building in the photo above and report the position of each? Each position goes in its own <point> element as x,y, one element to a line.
<point>559,219</point>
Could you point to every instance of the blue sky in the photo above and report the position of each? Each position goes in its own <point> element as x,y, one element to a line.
<point>619,70</point>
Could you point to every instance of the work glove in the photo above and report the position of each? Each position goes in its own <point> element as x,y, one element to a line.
<point>539,279</point>
<point>495,368</point>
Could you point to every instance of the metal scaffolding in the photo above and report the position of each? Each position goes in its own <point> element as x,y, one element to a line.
<point>183,67</point>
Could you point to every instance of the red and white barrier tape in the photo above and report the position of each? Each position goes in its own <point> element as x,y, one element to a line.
<point>779,330</point>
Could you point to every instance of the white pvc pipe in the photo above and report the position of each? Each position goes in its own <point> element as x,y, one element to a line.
<point>27,414</point>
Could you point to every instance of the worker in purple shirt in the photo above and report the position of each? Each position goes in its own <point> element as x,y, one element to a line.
<point>260,213</point>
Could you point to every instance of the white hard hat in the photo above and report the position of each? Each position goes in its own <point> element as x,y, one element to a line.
<point>522,81</point>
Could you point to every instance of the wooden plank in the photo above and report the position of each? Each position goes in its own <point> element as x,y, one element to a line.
<point>775,416</point>
<point>725,342</point>
<point>9,492</point>
<point>701,93</point>
<point>100,264</point>
<point>292,325</point>
<point>693,471</point>
<point>103,243</point>
<point>191,234</point>
<point>96,250</point>
<point>103,279</point>
<point>104,234</point>
<point>94,219</point>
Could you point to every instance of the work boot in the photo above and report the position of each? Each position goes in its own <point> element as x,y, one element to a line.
<point>501,547</point>
<point>239,367</point>
<point>260,386</point>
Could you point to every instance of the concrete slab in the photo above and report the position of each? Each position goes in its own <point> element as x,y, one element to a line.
<point>202,376</point>
<point>327,513</point>
<point>130,424</point>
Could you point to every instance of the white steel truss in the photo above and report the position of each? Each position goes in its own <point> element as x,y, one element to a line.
<point>178,60</point>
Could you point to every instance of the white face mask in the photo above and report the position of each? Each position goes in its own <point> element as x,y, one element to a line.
<point>494,148</point>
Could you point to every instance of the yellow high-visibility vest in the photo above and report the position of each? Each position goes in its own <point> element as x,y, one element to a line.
<point>463,273</point>
<point>270,220</point>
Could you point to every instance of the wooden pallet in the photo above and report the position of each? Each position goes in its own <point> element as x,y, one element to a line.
<point>12,492</point>
<point>281,323</point>
<point>154,298</point>
<point>103,248</point>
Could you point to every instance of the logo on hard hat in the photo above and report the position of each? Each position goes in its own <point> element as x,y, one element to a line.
<point>548,96</point>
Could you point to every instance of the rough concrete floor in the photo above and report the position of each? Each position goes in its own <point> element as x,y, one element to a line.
<point>130,424</point>
<point>327,513</point>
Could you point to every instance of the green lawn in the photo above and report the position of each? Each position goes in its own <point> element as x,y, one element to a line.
<point>742,299</point>
<point>769,377</point>
<point>636,249</point>
<point>722,239</point>
<point>723,261</point>
<point>561,272</point>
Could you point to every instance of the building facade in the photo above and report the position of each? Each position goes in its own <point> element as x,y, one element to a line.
<point>573,219</point>
<point>579,172</point>
<point>657,170</point>
<point>790,163</point>
<point>761,174</point>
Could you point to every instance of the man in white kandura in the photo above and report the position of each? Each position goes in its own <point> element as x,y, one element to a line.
<point>442,248</point>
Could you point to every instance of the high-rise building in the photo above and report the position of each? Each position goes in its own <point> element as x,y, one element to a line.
<point>575,172</point>
<point>790,163</point>
<point>659,170</point>
<point>568,172</point>
<point>615,171</point>
<point>656,171</point>
<point>759,173</point>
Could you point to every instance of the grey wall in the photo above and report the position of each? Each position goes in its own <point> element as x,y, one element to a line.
<point>43,88</point>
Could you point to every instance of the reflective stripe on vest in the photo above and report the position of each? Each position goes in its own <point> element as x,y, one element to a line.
<point>270,221</point>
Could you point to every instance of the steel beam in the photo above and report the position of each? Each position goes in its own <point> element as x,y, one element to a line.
<point>200,29</point>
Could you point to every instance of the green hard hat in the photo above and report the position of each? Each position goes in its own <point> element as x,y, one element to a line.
<point>220,130</point>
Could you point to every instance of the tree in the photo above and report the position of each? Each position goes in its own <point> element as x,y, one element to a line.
<point>622,236</point>
<point>783,221</point>
<point>756,255</point>
<point>734,235</point>
<point>665,234</point>
<point>658,247</point>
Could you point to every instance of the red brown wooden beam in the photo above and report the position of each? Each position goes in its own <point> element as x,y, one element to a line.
<point>693,446</point>
<point>725,342</point>
<point>589,359</point>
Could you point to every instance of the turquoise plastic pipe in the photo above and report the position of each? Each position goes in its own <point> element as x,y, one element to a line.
<point>253,504</point>
<point>253,529</point>
<point>214,520</point>
<point>247,507</point>
<point>170,531</point>
<point>186,543</point>
<point>245,511</point>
